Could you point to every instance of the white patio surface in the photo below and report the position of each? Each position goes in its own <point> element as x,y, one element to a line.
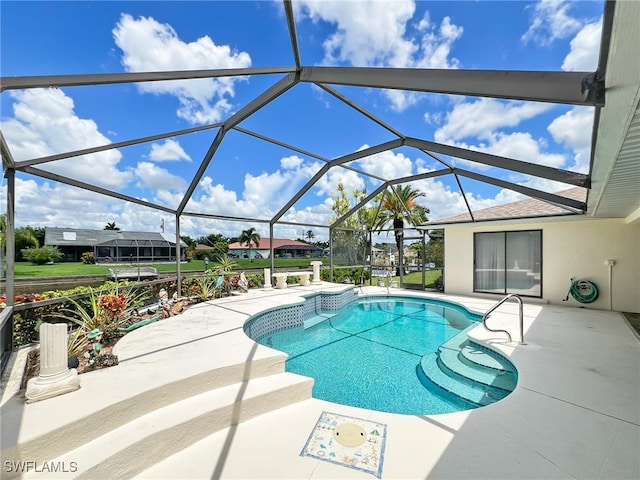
<point>575,412</point>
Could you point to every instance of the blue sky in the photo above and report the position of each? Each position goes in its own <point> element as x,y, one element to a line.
<point>251,178</point>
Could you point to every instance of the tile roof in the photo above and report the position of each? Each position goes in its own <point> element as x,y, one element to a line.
<point>528,208</point>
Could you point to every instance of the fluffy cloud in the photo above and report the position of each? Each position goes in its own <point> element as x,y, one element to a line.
<point>45,123</point>
<point>573,130</point>
<point>150,176</point>
<point>148,45</point>
<point>387,165</point>
<point>480,118</point>
<point>383,40</point>
<point>63,204</point>
<point>550,21</point>
<point>585,49</point>
<point>169,150</point>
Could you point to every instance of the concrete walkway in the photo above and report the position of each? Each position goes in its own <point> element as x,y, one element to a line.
<point>575,412</point>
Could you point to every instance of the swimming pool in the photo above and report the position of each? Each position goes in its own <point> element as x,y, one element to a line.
<point>381,353</point>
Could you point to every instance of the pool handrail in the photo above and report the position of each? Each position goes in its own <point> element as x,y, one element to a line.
<point>520,313</point>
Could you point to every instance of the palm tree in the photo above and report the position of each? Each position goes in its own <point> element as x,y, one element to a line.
<point>247,237</point>
<point>309,235</point>
<point>111,226</point>
<point>398,207</point>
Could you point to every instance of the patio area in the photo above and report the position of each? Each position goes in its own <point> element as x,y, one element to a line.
<point>171,408</point>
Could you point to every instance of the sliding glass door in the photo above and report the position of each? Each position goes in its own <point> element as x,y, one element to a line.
<point>508,262</point>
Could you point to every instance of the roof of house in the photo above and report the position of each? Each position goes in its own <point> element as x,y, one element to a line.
<point>87,237</point>
<point>264,244</point>
<point>528,208</point>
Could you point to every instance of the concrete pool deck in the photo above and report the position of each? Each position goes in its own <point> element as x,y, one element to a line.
<point>575,412</point>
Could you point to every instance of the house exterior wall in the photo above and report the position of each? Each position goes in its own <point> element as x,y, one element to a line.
<point>570,249</point>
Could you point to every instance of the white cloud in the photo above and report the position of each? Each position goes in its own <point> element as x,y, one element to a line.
<point>274,190</point>
<point>585,49</point>
<point>480,118</point>
<point>292,162</point>
<point>150,176</point>
<point>41,204</point>
<point>517,145</point>
<point>437,42</point>
<point>45,123</point>
<point>148,45</point>
<point>328,184</point>
<point>387,165</point>
<point>551,21</point>
<point>374,33</point>
<point>170,150</point>
<point>574,129</point>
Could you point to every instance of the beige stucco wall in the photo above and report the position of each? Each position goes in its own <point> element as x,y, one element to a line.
<point>570,249</point>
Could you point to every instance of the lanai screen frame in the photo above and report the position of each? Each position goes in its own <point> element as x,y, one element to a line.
<point>569,88</point>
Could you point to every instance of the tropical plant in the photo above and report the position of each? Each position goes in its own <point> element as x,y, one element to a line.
<point>309,235</point>
<point>25,238</point>
<point>40,256</point>
<point>248,237</point>
<point>106,311</point>
<point>225,265</point>
<point>351,237</point>
<point>206,287</point>
<point>111,226</point>
<point>77,342</point>
<point>398,206</point>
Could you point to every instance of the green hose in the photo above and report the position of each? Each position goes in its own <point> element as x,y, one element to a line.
<point>583,291</point>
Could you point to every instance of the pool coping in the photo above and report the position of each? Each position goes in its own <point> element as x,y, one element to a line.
<point>574,412</point>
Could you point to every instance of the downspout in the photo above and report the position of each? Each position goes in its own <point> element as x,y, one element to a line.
<point>610,264</point>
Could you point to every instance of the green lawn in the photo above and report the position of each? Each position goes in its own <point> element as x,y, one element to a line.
<point>68,269</point>
<point>416,277</point>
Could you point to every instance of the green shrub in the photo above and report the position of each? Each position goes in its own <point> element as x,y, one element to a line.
<point>341,274</point>
<point>42,255</point>
<point>88,258</point>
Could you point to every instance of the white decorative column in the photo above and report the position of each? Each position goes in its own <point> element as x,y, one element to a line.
<point>267,278</point>
<point>55,376</point>
<point>316,271</point>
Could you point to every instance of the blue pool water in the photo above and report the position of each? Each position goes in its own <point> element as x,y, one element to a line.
<point>367,354</point>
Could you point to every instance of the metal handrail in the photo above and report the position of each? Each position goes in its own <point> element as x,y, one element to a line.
<point>521,314</point>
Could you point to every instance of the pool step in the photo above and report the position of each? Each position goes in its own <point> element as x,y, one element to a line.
<point>436,377</point>
<point>452,363</point>
<point>475,355</point>
<point>467,371</point>
<point>316,319</point>
<point>131,448</point>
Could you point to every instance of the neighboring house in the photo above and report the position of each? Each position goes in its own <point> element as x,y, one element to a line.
<point>503,250</point>
<point>113,246</point>
<point>282,248</point>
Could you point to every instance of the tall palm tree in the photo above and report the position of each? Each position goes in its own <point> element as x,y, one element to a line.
<point>398,207</point>
<point>309,235</point>
<point>248,237</point>
<point>111,226</point>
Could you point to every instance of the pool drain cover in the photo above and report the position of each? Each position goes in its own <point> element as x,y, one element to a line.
<point>350,442</point>
<point>350,434</point>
